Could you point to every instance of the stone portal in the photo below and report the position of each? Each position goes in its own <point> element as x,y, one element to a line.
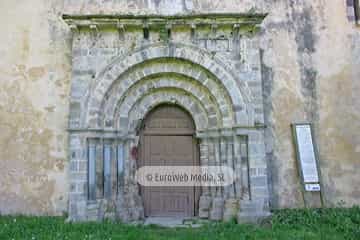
<point>124,67</point>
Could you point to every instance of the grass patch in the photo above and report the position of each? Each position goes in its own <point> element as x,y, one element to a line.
<point>285,224</point>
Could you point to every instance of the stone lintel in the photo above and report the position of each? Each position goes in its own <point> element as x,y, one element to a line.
<point>250,21</point>
<point>202,134</point>
<point>230,131</point>
<point>102,133</point>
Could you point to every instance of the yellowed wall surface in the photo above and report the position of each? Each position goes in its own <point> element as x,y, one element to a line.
<point>35,67</point>
<point>311,56</point>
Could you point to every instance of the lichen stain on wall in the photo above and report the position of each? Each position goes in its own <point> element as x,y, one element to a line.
<point>35,72</point>
<point>339,140</point>
<point>336,60</point>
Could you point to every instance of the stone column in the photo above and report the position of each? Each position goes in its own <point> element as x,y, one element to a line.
<point>231,203</point>
<point>212,161</point>
<point>110,180</point>
<point>136,209</point>
<point>244,168</point>
<point>217,207</point>
<point>205,198</point>
<point>237,168</point>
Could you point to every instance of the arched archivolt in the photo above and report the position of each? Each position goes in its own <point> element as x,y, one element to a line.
<point>131,112</point>
<point>181,71</point>
<point>171,66</point>
<point>236,90</point>
<point>161,81</point>
<point>165,68</point>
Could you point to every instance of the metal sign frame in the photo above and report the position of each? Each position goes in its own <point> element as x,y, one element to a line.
<point>299,160</point>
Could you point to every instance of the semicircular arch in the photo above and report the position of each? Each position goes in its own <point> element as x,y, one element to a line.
<point>239,96</point>
<point>160,82</point>
<point>129,114</point>
<point>140,76</point>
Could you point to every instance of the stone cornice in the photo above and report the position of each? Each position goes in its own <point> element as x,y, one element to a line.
<point>154,21</point>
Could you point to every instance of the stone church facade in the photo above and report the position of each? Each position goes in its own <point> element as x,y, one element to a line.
<point>80,81</point>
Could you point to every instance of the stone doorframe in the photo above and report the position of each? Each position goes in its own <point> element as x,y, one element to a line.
<point>106,112</point>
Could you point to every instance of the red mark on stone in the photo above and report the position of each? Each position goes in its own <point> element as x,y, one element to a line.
<point>134,153</point>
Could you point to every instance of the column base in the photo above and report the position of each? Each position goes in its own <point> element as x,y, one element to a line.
<point>204,206</point>
<point>253,212</point>
<point>217,209</point>
<point>231,209</point>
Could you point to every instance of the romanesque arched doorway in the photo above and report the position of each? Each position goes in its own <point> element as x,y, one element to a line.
<point>118,78</point>
<point>167,139</point>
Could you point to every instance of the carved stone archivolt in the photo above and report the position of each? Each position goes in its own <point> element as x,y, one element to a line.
<point>109,105</point>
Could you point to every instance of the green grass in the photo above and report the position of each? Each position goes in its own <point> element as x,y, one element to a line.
<point>324,224</point>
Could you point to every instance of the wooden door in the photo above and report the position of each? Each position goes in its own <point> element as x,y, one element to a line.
<point>167,140</point>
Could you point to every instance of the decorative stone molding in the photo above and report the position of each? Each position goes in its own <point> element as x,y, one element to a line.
<point>109,105</point>
<point>237,90</point>
<point>248,22</point>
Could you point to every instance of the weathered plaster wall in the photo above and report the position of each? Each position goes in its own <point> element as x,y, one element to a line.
<point>35,70</point>
<point>310,54</point>
<point>310,57</point>
<point>336,60</point>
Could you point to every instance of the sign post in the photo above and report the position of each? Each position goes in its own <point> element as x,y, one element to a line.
<point>306,153</point>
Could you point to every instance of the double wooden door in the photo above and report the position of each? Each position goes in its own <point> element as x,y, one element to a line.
<point>167,140</point>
